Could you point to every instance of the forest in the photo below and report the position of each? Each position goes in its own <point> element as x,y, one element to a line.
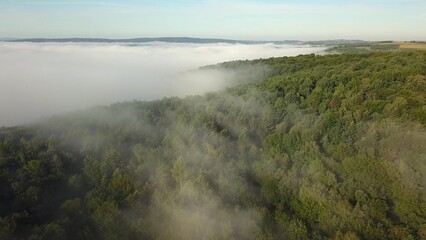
<point>320,147</point>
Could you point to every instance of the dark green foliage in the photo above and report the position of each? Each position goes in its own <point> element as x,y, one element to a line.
<point>326,147</point>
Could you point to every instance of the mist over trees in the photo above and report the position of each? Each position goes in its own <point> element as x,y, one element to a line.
<point>323,147</point>
<point>38,80</point>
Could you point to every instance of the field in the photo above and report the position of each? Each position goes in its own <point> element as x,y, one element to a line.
<point>421,46</point>
<point>378,47</point>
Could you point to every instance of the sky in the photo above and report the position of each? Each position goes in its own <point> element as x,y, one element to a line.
<point>232,19</point>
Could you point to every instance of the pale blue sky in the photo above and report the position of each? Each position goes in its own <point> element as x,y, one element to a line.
<point>234,19</point>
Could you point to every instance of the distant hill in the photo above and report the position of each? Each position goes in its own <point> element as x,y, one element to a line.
<point>337,42</point>
<point>131,40</point>
<point>183,40</point>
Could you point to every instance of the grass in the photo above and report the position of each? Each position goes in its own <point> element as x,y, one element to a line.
<point>421,46</point>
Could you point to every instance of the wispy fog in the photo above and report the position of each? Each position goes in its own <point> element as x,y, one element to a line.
<point>39,80</point>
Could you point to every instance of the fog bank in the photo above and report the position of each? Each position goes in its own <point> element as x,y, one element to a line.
<point>42,79</point>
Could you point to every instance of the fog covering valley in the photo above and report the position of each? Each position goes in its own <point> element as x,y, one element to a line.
<point>319,147</point>
<point>212,120</point>
<point>38,80</point>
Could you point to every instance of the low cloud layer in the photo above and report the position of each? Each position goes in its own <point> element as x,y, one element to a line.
<point>40,80</point>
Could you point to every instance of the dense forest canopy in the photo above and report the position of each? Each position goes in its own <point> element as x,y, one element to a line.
<point>324,147</point>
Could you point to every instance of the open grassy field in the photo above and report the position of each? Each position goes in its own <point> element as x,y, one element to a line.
<point>421,46</point>
<point>379,47</point>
